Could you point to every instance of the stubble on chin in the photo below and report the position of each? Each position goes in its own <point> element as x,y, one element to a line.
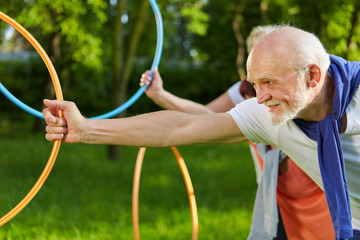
<point>278,119</point>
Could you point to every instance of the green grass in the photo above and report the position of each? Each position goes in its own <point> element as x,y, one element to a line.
<point>88,196</point>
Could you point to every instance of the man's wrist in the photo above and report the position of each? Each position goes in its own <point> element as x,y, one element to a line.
<point>83,131</point>
<point>160,97</point>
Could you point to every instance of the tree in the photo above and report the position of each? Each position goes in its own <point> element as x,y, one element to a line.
<point>123,61</point>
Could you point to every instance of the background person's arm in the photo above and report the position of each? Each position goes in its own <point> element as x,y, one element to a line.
<point>169,101</point>
<point>223,103</point>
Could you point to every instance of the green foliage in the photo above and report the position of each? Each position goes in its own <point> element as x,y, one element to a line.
<point>330,20</point>
<point>79,23</point>
<point>198,20</point>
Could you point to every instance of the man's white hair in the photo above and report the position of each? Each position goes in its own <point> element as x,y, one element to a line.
<point>306,47</point>
<point>258,33</point>
<point>309,50</point>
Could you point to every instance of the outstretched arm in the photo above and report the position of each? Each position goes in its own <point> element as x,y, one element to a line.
<point>158,129</point>
<point>169,101</point>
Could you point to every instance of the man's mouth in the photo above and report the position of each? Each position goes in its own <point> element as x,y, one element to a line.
<point>272,106</point>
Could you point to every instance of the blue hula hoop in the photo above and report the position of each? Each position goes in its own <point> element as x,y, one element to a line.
<point>130,101</point>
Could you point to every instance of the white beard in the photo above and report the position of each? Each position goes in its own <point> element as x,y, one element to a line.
<point>300,101</point>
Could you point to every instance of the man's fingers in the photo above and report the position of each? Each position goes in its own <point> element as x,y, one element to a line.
<point>51,119</point>
<point>49,116</point>
<point>53,137</point>
<point>58,105</point>
<point>145,78</point>
<point>62,128</point>
<point>56,130</point>
<point>146,74</point>
<point>143,82</point>
<point>55,104</point>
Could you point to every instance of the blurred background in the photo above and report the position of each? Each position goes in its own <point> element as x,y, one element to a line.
<point>100,49</point>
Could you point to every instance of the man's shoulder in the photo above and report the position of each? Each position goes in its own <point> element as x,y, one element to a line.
<point>251,104</point>
<point>251,109</point>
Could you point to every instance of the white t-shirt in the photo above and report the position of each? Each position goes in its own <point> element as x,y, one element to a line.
<point>234,93</point>
<point>252,120</point>
<point>236,98</point>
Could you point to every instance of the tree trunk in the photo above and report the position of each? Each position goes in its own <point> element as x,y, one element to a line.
<point>181,50</point>
<point>263,12</point>
<point>114,152</point>
<point>122,68</point>
<point>134,40</point>
<point>236,25</point>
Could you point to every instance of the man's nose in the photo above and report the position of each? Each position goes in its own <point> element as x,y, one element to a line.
<point>262,95</point>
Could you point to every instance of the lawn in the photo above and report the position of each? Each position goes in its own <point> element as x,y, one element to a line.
<point>88,196</point>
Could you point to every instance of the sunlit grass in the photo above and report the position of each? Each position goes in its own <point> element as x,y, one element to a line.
<point>88,196</point>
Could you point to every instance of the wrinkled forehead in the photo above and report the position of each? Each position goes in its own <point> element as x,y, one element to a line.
<point>266,60</point>
<point>261,64</point>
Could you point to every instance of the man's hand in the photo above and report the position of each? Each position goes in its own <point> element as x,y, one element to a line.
<point>67,129</point>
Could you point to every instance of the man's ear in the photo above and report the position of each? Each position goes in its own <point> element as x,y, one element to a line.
<point>314,76</point>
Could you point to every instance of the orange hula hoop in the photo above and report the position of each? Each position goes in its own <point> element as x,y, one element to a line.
<point>55,150</point>
<point>189,188</point>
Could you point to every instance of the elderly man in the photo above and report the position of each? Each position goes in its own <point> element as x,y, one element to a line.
<point>288,188</point>
<point>307,105</point>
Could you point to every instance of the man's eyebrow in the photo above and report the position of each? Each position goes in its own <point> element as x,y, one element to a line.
<point>268,78</point>
<point>261,79</point>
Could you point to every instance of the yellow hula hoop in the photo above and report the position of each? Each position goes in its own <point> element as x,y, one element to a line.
<point>189,188</point>
<point>59,96</point>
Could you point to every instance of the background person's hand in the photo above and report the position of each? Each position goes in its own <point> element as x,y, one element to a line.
<point>155,87</point>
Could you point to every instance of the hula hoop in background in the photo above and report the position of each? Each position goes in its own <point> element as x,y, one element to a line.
<point>129,102</point>
<point>56,147</point>
<point>189,188</point>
